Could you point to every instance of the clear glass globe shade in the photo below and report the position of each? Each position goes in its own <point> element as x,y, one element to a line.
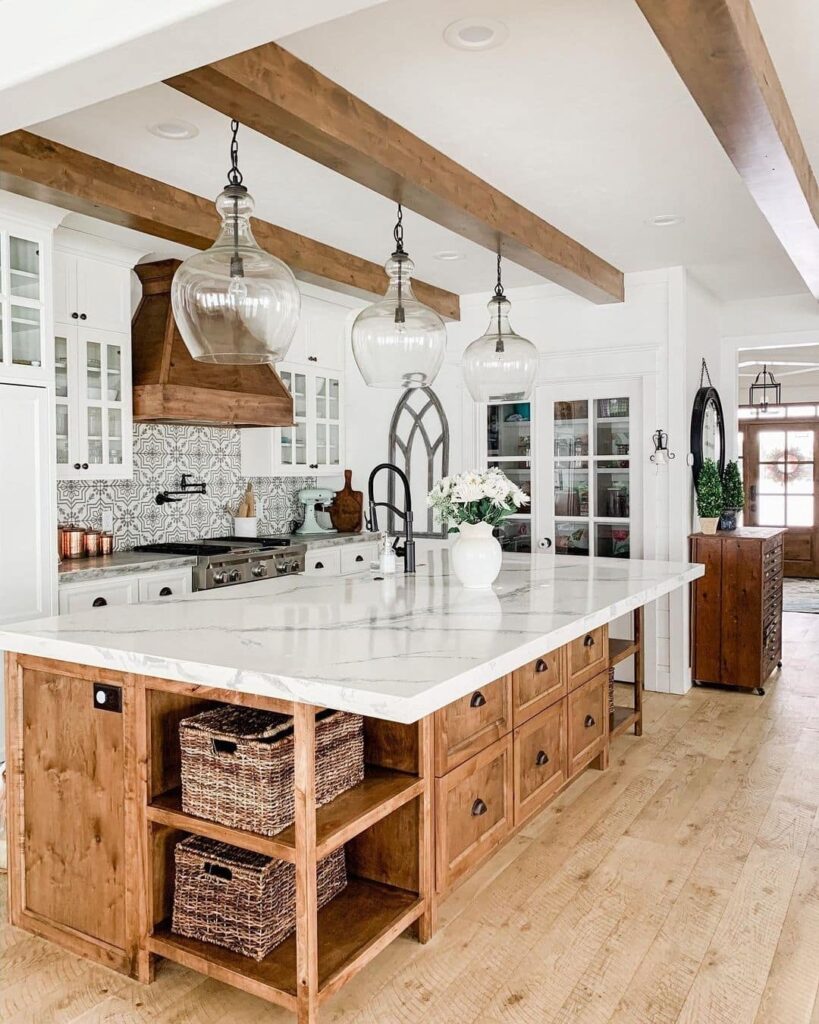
<point>500,365</point>
<point>398,342</point>
<point>235,303</point>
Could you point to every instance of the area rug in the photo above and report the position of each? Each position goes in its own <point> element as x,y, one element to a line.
<point>800,595</point>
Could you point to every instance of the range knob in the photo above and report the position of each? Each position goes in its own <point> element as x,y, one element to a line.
<point>259,570</point>
<point>219,578</point>
<point>293,566</point>
<point>235,575</point>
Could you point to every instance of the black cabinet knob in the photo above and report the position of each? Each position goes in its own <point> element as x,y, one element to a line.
<point>541,758</point>
<point>312,359</point>
<point>313,465</point>
<point>165,592</point>
<point>588,721</point>
<point>98,602</point>
<point>478,808</point>
<point>319,565</point>
<point>588,640</point>
<point>540,665</point>
<point>85,465</point>
<point>75,316</point>
<point>359,558</point>
<point>76,465</point>
<point>83,316</point>
<point>478,700</point>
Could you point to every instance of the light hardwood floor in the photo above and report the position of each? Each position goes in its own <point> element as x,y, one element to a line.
<point>680,886</point>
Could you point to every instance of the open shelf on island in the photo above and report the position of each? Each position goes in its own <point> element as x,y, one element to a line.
<point>619,650</point>
<point>382,791</point>
<point>624,719</point>
<point>352,929</point>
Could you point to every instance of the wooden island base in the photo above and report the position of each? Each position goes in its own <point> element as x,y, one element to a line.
<point>95,812</point>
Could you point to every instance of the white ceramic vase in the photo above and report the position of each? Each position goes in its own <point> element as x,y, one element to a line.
<point>476,556</point>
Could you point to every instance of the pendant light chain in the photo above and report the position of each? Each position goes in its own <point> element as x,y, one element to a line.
<point>499,296</point>
<point>398,230</point>
<point>234,174</point>
<point>398,235</point>
<point>499,286</point>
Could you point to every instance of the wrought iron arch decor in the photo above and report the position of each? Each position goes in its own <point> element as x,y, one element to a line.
<point>427,424</point>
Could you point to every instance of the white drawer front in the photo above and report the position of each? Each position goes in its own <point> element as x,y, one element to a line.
<point>355,557</point>
<point>161,586</point>
<point>322,562</point>
<point>80,597</point>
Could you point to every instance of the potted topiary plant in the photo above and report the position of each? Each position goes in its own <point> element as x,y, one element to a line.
<point>733,496</point>
<point>709,496</point>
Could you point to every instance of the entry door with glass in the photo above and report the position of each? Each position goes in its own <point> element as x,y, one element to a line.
<point>779,466</point>
<point>508,440</point>
<point>591,484</point>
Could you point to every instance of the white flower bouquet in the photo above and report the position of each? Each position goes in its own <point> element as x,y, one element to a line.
<point>476,497</point>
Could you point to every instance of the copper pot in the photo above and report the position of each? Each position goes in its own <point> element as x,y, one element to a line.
<point>106,543</point>
<point>73,542</point>
<point>92,542</point>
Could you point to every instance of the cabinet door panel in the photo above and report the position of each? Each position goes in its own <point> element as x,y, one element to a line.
<point>539,684</point>
<point>540,760</point>
<point>65,288</point>
<point>587,655</point>
<point>587,722</point>
<point>74,760</point>
<point>103,295</point>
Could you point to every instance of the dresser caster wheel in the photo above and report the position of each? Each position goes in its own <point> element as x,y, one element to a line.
<point>759,691</point>
<point>696,682</point>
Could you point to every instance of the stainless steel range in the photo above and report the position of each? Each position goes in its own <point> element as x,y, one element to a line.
<point>225,561</point>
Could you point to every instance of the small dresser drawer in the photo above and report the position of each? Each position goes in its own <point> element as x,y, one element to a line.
<point>587,722</point>
<point>540,760</point>
<point>473,812</point>
<point>322,562</point>
<point>356,556</point>
<point>472,723</point>
<point>587,655</point>
<point>538,685</point>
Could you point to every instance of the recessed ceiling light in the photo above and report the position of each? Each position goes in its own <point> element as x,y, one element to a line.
<point>176,131</point>
<point>666,220</point>
<point>476,33</point>
<point>449,254</point>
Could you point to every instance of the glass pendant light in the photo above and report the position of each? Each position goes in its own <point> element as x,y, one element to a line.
<point>235,303</point>
<point>398,342</point>
<point>501,365</point>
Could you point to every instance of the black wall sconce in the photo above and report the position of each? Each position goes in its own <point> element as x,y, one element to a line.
<point>661,456</point>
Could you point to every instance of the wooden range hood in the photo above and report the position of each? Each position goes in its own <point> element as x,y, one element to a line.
<point>172,387</point>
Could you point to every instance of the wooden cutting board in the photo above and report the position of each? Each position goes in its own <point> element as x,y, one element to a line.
<point>348,507</point>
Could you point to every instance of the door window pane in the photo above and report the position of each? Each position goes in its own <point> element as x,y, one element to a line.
<point>299,394</point>
<point>571,538</point>
<point>509,427</point>
<point>333,411</point>
<point>800,445</point>
<point>300,454</point>
<point>612,427</point>
<point>62,433</point>
<point>571,488</point>
<point>321,444</point>
<point>515,534</point>
<point>519,473</point>
<point>771,510</point>
<point>771,445</point>
<point>334,458</point>
<point>321,399</point>
<point>95,435</point>
<point>800,510</point>
<point>613,489</point>
<point>286,442</point>
<point>25,336</point>
<point>24,268</point>
<point>612,541</point>
<point>93,370</point>
<point>800,478</point>
<point>114,356</point>
<point>772,478</point>
<point>571,428</point>
<point>61,367</point>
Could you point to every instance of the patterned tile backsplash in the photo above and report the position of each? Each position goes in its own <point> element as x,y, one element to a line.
<point>162,453</point>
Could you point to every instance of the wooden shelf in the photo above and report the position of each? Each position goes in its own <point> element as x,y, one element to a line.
<point>352,929</point>
<point>619,650</point>
<point>382,792</point>
<point>624,719</point>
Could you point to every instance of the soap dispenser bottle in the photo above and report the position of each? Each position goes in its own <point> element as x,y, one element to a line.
<point>387,561</point>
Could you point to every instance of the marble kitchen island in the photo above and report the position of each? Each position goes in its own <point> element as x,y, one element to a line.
<point>479,707</point>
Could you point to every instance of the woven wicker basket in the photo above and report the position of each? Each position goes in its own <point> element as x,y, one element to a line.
<point>237,765</point>
<point>242,900</point>
<point>611,696</point>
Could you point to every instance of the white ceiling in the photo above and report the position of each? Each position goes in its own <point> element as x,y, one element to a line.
<point>579,115</point>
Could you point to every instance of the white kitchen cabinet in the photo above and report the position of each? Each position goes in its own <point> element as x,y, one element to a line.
<point>322,562</point>
<point>92,358</point>
<point>158,586</point>
<point>357,556</point>
<point>314,445</point>
<point>25,347</point>
<point>127,589</point>
<point>341,559</point>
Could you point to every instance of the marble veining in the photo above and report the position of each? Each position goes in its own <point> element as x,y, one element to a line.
<point>396,648</point>
<point>120,563</point>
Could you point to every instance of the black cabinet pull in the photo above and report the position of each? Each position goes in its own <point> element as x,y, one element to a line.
<point>540,665</point>
<point>85,465</point>
<point>165,592</point>
<point>588,721</point>
<point>312,359</point>
<point>76,465</point>
<point>588,641</point>
<point>542,758</point>
<point>313,465</point>
<point>359,558</point>
<point>478,808</point>
<point>319,565</point>
<point>98,602</point>
<point>83,316</point>
<point>478,700</point>
<point>75,316</point>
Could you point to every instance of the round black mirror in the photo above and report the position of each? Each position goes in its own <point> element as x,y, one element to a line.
<point>707,430</point>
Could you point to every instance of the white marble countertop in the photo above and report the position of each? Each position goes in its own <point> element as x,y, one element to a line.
<point>396,648</point>
<point>120,563</point>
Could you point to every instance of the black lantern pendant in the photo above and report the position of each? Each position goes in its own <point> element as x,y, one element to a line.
<point>765,383</point>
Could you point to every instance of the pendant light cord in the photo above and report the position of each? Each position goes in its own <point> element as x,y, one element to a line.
<point>235,179</point>
<point>499,296</point>
<point>398,235</point>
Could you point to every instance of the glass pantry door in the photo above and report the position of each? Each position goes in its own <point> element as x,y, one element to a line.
<point>509,447</point>
<point>592,475</point>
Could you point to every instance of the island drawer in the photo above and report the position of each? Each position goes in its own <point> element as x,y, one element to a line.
<point>472,723</point>
<point>587,722</point>
<point>81,597</point>
<point>357,555</point>
<point>538,685</point>
<point>473,812</point>
<point>587,655</point>
<point>540,760</point>
<point>322,562</point>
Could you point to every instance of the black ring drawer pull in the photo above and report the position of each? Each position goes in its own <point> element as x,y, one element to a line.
<point>165,592</point>
<point>478,700</point>
<point>359,558</point>
<point>540,665</point>
<point>588,640</point>
<point>98,602</point>
<point>588,721</point>
<point>479,808</point>
<point>542,758</point>
<point>319,565</point>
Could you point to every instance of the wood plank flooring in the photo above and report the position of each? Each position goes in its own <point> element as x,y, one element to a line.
<point>680,887</point>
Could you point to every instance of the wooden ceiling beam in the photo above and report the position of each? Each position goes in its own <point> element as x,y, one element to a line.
<point>280,96</point>
<point>41,169</point>
<point>719,52</point>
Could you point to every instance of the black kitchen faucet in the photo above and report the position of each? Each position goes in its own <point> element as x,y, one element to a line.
<point>407,549</point>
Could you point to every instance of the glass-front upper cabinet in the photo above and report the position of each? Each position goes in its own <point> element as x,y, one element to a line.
<point>93,404</point>
<point>327,399</point>
<point>23,351</point>
<point>509,447</point>
<point>592,476</point>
